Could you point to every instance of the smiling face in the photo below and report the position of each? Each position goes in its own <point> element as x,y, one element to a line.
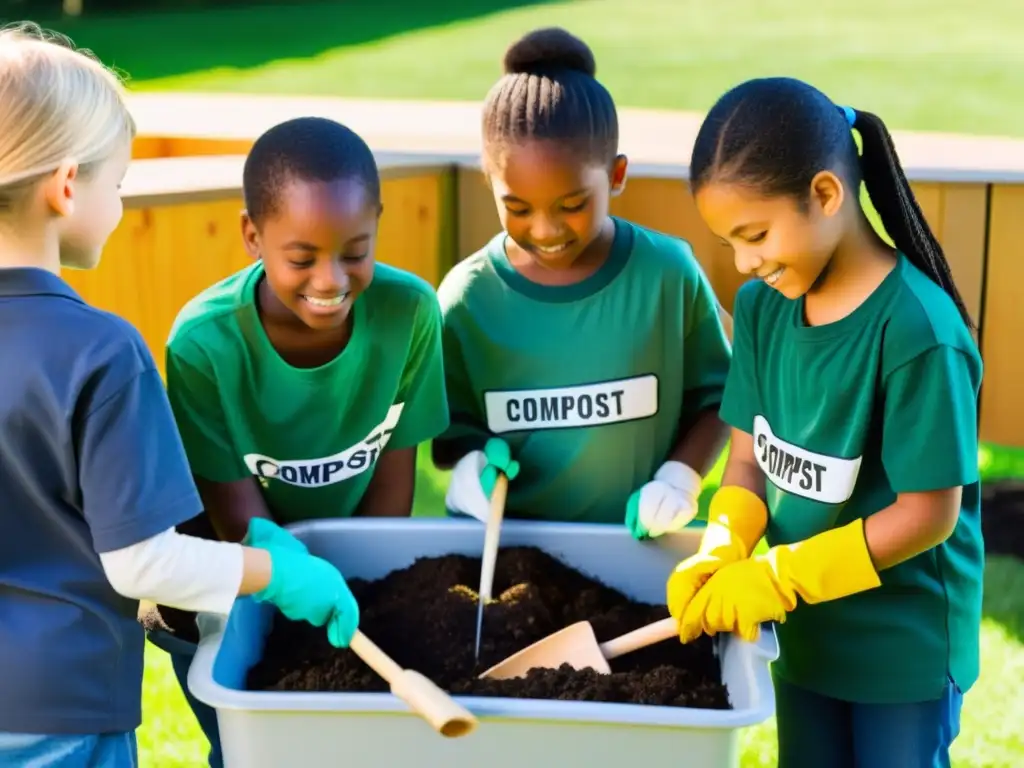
<point>552,204</point>
<point>775,238</point>
<point>317,247</point>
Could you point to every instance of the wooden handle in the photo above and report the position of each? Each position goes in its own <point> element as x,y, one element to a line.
<point>375,658</point>
<point>439,709</point>
<point>491,536</point>
<point>640,638</point>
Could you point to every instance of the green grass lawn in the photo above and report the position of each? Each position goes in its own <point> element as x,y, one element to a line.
<point>993,710</point>
<point>920,64</point>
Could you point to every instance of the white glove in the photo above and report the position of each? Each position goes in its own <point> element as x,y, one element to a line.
<point>465,491</point>
<point>474,477</point>
<point>665,504</point>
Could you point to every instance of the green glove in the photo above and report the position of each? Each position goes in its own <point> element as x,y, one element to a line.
<point>264,533</point>
<point>307,588</point>
<point>499,459</point>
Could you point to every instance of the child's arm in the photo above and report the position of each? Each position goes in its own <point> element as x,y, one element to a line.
<point>232,506</point>
<point>466,431</point>
<point>230,494</point>
<point>702,442</point>
<point>136,485</point>
<point>669,500</point>
<point>741,467</point>
<point>462,437</point>
<point>929,452</point>
<point>737,519</point>
<point>185,572</point>
<point>706,360</point>
<point>424,416</point>
<point>914,524</point>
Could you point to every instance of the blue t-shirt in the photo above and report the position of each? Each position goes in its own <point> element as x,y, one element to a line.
<point>90,462</point>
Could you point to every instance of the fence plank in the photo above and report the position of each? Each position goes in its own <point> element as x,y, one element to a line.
<point>1002,415</point>
<point>161,256</point>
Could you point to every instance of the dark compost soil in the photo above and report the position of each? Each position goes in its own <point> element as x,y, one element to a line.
<point>1002,517</point>
<point>424,617</point>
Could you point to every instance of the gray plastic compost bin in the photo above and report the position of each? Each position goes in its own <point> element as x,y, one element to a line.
<point>377,730</point>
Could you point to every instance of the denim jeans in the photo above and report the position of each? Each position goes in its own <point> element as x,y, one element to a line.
<point>817,731</point>
<point>31,750</point>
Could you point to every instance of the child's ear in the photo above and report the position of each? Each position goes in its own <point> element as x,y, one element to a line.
<point>59,189</point>
<point>828,192</point>
<point>250,236</point>
<point>618,175</point>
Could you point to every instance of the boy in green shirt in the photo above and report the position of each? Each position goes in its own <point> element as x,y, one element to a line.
<point>303,384</point>
<point>853,400</point>
<point>592,346</point>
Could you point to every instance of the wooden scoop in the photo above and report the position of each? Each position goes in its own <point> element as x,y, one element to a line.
<point>438,708</point>
<point>577,646</point>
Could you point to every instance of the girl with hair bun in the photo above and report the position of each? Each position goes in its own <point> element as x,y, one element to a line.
<point>584,355</point>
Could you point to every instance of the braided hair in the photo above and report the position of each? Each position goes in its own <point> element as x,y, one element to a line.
<point>549,93</point>
<point>775,134</point>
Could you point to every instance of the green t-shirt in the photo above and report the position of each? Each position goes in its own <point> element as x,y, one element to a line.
<point>588,382</point>
<point>311,435</point>
<point>844,416</point>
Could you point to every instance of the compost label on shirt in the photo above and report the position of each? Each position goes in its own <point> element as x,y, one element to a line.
<point>796,470</point>
<point>584,405</point>
<point>314,473</point>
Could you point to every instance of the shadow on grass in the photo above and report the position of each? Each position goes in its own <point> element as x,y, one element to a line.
<point>163,43</point>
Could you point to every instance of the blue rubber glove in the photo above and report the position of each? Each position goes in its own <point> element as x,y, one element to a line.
<point>265,533</point>
<point>307,588</point>
<point>499,459</point>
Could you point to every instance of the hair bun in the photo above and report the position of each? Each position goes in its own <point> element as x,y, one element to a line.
<point>547,50</point>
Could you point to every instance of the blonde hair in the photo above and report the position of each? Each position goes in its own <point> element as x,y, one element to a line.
<point>57,103</point>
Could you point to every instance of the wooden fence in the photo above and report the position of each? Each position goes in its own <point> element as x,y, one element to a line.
<point>181,233</point>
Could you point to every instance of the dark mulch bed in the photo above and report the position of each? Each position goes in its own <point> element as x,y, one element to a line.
<point>1002,517</point>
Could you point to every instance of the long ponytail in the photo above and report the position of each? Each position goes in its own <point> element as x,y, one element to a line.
<point>894,200</point>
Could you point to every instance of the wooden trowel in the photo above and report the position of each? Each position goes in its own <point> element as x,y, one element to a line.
<point>577,646</point>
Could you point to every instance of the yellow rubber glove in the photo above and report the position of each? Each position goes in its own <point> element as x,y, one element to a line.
<point>741,596</point>
<point>736,522</point>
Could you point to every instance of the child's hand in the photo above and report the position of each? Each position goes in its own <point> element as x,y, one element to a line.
<point>744,594</point>
<point>264,533</point>
<point>307,588</point>
<point>736,521</point>
<point>738,598</point>
<point>667,503</point>
<point>474,476</point>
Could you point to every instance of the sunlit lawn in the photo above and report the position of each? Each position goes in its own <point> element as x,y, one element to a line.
<point>920,64</point>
